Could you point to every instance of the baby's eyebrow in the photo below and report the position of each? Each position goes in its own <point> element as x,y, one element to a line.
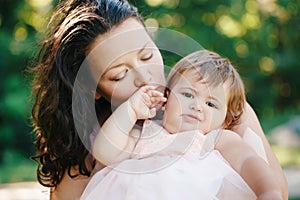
<point>190,88</point>
<point>215,99</point>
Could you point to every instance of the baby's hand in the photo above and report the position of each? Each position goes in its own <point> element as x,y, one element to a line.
<point>143,101</point>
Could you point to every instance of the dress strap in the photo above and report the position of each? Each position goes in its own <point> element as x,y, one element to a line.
<point>210,141</point>
<point>252,139</point>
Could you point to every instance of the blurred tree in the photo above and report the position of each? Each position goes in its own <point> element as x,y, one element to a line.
<point>13,93</point>
<point>20,21</point>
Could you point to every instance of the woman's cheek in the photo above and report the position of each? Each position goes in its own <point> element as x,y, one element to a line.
<point>121,93</point>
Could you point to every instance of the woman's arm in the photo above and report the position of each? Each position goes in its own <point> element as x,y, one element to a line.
<point>250,120</point>
<point>252,168</point>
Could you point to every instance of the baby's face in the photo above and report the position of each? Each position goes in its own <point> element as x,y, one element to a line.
<point>194,105</point>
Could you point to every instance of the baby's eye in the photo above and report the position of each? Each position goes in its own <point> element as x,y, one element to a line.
<point>210,104</point>
<point>147,56</point>
<point>188,95</point>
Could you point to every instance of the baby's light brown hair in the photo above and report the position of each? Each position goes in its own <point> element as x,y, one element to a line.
<point>215,70</point>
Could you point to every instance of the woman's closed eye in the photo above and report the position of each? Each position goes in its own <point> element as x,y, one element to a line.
<point>120,76</point>
<point>147,56</point>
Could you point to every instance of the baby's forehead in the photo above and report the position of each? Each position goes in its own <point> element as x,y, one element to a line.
<point>194,74</point>
<point>200,87</point>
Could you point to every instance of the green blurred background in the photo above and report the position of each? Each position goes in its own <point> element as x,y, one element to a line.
<point>261,37</point>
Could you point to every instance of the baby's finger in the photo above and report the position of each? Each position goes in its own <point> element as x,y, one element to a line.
<point>147,88</point>
<point>146,99</point>
<point>157,100</point>
<point>155,93</point>
<point>152,112</point>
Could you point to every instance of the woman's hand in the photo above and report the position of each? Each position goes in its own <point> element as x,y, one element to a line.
<point>272,195</point>
<point>250,120</point>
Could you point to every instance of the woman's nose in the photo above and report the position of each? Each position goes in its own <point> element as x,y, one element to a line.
<point>143,77</point>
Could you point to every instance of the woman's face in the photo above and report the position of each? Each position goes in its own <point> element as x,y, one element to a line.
<point>123,60</point>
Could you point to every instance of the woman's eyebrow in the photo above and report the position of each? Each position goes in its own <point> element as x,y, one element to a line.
<point>112,67</point>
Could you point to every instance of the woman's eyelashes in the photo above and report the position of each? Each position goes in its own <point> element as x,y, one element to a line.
<point>147,56</point>
<point>120,76</point>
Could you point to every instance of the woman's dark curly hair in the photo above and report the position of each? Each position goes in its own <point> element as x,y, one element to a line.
<point>71,30</point>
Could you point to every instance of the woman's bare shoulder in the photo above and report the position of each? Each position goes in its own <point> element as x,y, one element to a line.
<point>69,188</point>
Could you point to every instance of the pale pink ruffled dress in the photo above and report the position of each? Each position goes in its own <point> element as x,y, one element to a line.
<point>172,167</point>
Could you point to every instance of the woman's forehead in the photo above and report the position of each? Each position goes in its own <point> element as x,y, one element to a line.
<point>129,36</point>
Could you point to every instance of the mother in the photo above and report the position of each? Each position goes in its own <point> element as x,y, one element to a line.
<point>76,28</point>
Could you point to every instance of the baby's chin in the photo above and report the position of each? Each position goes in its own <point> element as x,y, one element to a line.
<point>186,129</point>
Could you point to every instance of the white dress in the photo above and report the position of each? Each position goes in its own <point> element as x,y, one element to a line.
<point>172,167</point>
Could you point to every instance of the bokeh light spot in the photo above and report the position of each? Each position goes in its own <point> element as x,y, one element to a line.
<point>20,33</point>
<point>178,20</point>
<point>38,4</point>
<point>171,3</point>
<point>267,64</point>
<point>209,18</point>
<point>152,23</point>
<point>251,6</point>
<point>166,20</point>
<point>229,27</point>
<point>251,21</point>
<point>154,3</point>
<point>242,49</point>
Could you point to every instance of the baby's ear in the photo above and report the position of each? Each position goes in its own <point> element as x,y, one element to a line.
<point>227,122</point>
<point>166,94</point>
